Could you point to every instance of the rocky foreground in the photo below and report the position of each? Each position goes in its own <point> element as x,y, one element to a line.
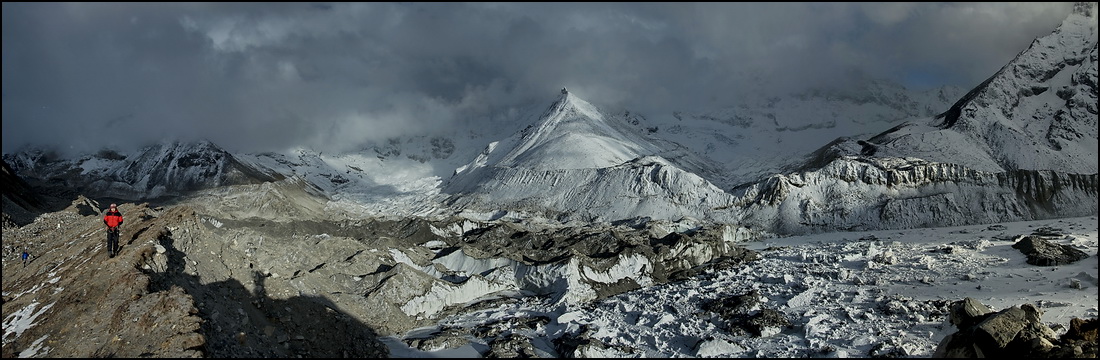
<point>71,300</point>
<point>190,284</point>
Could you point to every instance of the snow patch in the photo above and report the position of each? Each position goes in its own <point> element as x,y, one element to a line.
<point>34,348</point>
<point>21,320</point>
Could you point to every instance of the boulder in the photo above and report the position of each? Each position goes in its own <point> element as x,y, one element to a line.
<point>1012,333</point>
<point>1041,252</point>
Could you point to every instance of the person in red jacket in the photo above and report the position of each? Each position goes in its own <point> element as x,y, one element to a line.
<point>113,220</point>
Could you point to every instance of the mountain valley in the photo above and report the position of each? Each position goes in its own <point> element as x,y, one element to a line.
<point>830,223</point>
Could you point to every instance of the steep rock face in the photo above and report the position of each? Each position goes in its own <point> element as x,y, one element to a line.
<point>863,193</point>
<point>1039,112</point>
<point>421,148</point>
<point>169,168</point>
<point>20,202</point>
<point>577,161</point>
<point>179,167</point>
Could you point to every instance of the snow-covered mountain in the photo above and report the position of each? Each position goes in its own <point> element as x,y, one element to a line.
<point>854,193</point>
<point>164,169</point>
<point>572,134</point>
<point>761,136</point>
<point>361,183</point>
<point>1039,112</point>
<point>1020,146</point>
<point>575,232</point>
<point>576,160</point>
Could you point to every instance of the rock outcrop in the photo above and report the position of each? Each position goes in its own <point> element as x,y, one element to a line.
<point>1043,253</point>
<point>174,290</point>
<point>1016,332</point>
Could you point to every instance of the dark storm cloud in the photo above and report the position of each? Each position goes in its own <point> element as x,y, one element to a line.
<point>255,76</point>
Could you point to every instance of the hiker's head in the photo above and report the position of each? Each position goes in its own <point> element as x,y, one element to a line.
<point>113,206</point>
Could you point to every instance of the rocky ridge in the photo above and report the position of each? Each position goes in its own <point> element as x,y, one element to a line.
<point>70,300</point>
<point>170,168</point>
<point>863,193</point>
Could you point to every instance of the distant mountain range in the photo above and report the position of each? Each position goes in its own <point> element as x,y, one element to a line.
<point>1021,145</point>
<point>169,168</point>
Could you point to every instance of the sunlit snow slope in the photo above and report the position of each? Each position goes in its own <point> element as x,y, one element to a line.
<point>1039,112</point>
<point>577,161</point>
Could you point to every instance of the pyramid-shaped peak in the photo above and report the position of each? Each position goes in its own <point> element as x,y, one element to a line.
<point>572,106</point>
<point>571,134</point>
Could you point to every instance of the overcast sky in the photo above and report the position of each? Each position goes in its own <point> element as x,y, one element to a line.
<point>268,76</point>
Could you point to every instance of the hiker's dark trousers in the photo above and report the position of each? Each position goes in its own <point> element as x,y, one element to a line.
<point>112,241</point>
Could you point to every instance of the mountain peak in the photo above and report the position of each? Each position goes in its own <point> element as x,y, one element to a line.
<point>568,102</point>
<point>1088,9</point>
<point>1035,113</point>
<point>574,134</point>
<point>571,134</point>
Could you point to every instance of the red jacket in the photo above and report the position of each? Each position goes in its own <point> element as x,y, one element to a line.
<point>113,218</point>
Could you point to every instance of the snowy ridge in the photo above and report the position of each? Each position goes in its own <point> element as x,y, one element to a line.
<point>176,167</point>
<point>1039,112</point>
<point>163,169</point>
<point>647,186</point>
<point>573,134</point>
<point>1020,146</point>
<point>856,193</point>
<point>761,136</point>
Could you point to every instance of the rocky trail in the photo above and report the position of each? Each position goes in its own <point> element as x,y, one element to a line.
<point>71,300</point>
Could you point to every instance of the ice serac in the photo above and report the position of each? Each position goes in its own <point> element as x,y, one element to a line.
<point>1020,146</point>
<point>576,160</point>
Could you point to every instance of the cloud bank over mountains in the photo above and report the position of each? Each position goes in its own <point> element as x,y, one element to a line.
<point>258,77</point>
